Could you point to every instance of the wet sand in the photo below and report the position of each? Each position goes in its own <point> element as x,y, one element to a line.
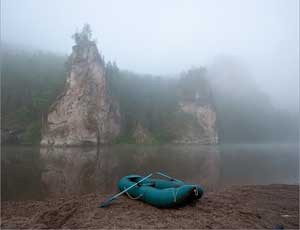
<point>233,207</point>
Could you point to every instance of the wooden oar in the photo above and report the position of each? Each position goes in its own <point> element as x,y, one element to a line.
<point>171,178</point>
<point>109,200</point>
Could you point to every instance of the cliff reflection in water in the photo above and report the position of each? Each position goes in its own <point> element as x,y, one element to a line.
<point>83,170</point>
<point>36,173</point>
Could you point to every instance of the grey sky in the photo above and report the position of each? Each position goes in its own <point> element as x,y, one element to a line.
<point>166,37</point>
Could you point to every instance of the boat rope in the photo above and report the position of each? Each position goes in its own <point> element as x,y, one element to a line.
<point>131,197</point>
<point>175,191</point>
<point>174,194</point>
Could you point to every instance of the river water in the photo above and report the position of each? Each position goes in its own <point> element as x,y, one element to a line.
<point>34,173</point>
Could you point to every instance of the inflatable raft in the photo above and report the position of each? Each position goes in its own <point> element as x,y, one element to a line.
<point>160,193</point>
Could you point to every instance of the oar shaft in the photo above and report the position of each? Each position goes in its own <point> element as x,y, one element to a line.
<point>120,193</point>
<point>171,178</point>
<point>107,202</point>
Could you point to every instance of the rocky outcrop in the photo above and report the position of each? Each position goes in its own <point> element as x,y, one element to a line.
<point>141,135</point>
<point>196,102</point>
<point>204,130</point>
<point>84,113</point>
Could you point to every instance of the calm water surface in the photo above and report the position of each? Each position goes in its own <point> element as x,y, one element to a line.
<point>36,173</point>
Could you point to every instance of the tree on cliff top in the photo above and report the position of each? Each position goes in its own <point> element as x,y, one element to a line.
<point>84,36</point>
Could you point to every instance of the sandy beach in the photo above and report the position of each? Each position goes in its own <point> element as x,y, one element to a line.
<point>263,206</point>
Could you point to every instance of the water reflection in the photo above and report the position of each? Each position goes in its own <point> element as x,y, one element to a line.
<point>260,164</point>
<point>83,170</point>
<point>67,171</point>
<point>21,170</point>
<point>37,173</point>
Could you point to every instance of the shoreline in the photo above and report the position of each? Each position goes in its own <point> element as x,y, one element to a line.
<point>234,207</point>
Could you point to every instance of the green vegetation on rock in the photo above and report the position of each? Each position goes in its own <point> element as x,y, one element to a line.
<point>30,82</point>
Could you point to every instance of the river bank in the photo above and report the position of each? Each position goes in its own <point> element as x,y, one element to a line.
<point>232,207</point>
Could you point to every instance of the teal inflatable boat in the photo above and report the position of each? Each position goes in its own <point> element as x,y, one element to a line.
<point>160,193</point>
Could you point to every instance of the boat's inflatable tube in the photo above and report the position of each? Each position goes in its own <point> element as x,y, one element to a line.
<point>161,193</point>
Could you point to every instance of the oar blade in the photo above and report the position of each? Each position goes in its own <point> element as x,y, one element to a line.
<point>106,203</point>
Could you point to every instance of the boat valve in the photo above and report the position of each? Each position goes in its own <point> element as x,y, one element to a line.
<point>196,192</point>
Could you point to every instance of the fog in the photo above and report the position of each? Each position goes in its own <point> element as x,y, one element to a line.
<point>166,37</point>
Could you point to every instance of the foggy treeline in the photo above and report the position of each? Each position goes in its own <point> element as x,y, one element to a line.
<point>245,112</point>
<point>31,80</point>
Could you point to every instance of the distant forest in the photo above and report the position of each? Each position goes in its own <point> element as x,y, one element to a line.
<point>30,82</point>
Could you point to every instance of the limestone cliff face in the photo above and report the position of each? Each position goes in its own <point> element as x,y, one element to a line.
<point>84,113</point>
<point>204,130</point>
<point>196,102</point>
<point>142,135</point>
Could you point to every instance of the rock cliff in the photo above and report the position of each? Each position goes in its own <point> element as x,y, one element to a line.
<point>203,131</point>
<point>196,102</point>
<point>142,135</point>
<point>84,113</point>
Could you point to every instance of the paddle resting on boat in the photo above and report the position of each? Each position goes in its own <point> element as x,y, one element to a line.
<point>161,193</point>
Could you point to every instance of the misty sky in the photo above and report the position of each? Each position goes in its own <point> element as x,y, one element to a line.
<point>166,37</point>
